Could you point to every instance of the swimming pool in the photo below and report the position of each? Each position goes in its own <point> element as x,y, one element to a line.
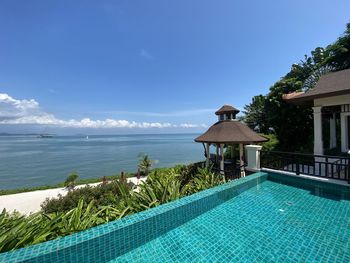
<point>263,217</point>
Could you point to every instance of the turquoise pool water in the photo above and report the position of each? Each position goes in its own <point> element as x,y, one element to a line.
<point>264,217</point>
<point>270,222</point>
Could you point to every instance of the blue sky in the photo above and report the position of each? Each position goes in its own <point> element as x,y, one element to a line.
<point>159,66</point>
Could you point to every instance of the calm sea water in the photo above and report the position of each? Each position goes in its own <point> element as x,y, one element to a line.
<point>27,161</point>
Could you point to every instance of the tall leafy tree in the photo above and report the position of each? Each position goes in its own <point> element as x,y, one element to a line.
<point>338,53</point>
<point>294,124</point>
<point>255,116</point>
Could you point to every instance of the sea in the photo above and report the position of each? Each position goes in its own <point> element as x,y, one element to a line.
<point>28,161</point>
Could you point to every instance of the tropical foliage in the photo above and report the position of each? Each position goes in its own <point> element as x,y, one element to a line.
<point>272,142</point>
<point>145,164</point>
<point>103,194</point>
<point>71,180</point>
<point>293,125</point>
<point>90,206</point>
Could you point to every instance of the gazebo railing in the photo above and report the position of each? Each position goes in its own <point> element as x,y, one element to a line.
<point>231,172</point>
<point>334,167</point>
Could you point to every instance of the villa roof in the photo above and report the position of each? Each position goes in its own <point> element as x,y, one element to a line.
<point>230,132</point>
<point>331,84</point>
<point>226,109</point>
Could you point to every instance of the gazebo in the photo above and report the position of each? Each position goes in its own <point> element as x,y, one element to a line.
<point>228,131</point>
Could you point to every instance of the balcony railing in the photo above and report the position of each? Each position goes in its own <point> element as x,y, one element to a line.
<point>334,167</point>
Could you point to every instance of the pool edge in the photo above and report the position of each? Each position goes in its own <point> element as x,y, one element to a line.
<point>31,253</point>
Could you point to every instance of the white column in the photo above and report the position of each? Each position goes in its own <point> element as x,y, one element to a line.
<point>241,158</point>
<point>217,153</point>
<point>318,142</point>
<point>253,157</point>
<point>222,159</point>
<point>344,126</point>
<point>207,149</point>
<point>332,133</point>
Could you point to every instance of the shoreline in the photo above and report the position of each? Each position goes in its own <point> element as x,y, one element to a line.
<point>30,201</point>
<point>60,185</point>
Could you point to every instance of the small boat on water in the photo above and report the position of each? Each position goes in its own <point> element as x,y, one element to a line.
<point>87,137</point>
<point>45,136</point>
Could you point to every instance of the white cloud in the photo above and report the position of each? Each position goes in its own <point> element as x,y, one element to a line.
<point>190,125</point>
<point>14,111</point>
<point>193,112</point>
<point>11,108</point>
<point>146,54</point>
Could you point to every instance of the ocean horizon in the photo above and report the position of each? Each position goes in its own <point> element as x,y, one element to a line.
<point>28,161</point>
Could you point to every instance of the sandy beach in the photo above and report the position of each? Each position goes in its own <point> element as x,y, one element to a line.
<point>29,202</point>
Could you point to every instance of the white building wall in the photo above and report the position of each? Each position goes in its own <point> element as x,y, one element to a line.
<point>344,125</point>
<point>318,141</point>
<point>332,101</point>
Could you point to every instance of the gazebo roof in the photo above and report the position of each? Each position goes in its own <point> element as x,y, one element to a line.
<point>226,109</point>
<point>229,131</point>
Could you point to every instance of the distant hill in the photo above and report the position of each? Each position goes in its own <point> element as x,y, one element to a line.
<point>18,134</point>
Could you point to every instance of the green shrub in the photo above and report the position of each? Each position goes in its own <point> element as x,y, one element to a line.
<point>71,179</point>
<point>232,152</point>
<point>271,144</point>
<point>103,194</point>
<point>90,206</point>
<point>202,180</point>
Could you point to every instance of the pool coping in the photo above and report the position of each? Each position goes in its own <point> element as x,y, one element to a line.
<point>308,177</point>
<point>41,249</point>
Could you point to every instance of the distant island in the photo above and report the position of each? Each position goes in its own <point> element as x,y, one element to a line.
<point>19,134</point>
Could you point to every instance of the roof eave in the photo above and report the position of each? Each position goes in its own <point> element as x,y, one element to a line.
<point>232,142</point>
<point>306,99</point>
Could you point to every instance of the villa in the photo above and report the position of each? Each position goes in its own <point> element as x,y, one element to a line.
<point>291,208</point>
<point>330,100</point>
<point>268,216</point>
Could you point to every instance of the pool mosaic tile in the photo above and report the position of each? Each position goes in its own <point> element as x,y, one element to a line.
<point>267,223</point>
<point>259,218</point>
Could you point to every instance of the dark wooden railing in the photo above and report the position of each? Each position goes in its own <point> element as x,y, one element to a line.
<point>232,171</point>
<point>335,167</point>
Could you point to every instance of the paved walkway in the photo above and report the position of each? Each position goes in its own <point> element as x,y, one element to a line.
<point>30,202</point>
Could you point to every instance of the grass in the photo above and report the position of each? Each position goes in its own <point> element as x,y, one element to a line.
<point>60,185</point>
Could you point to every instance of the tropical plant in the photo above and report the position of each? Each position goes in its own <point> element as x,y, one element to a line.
<point>145,164</point>
<point>18,231</point>
<point>204,179</point>
<point>71,179</point>
<point>102,195</point>
<point>271,144</point>
<point>90,206</point>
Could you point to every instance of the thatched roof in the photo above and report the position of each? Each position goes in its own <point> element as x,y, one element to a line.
<point>227,109</point>
<point>331,84</point>
<point>230,132</point>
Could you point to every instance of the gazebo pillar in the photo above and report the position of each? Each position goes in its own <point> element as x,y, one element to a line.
<point>222,168</point>
<point>207,150</point>
<point>241,158</point>
<point>217,153</point>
